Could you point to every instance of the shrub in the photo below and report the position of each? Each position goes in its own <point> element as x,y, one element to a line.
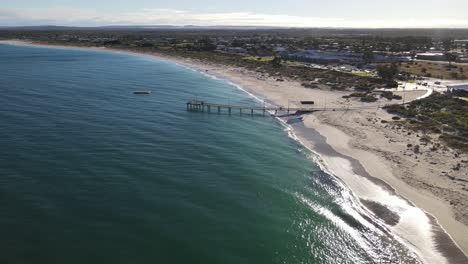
<point>364,88</point>
<point>392,84</point>
<point>388,95</point>
<point>369,98</point>
<point>308,85</point>
<point>400,110</point>
<point>438,113</point>
<point>454,141</point>
<point>425,139</point>
<point>358,95</point>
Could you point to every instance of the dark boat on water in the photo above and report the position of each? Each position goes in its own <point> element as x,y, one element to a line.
<point>141,92</point>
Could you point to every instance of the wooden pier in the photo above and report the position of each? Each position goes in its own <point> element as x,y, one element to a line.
<point>201,106</point>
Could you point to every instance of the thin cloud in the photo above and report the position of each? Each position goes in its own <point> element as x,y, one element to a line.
<point>91,17</point>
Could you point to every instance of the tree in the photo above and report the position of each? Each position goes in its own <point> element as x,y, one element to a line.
<point>368,57</point>
<point>388,72</point>
<point>447,43</point>
<point>450,58</point>
<point>205,44</point>
<point>237,43</point>
<point>276,62</point>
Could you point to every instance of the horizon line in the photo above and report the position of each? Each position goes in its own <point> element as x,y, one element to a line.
<point>230,26</point>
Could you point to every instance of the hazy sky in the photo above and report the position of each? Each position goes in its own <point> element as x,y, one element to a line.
<point>300,13</point>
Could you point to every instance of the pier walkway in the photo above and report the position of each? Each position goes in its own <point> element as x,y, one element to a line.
<point>201,106</point>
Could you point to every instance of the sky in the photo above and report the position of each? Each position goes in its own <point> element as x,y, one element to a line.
<point>286,13</point>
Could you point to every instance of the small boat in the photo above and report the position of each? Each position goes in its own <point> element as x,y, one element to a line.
<point>141,92</point>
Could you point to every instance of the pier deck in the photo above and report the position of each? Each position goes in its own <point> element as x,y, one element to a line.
<point>201,106</point>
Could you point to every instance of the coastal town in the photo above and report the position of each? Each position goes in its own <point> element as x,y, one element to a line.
<point>418,54</point>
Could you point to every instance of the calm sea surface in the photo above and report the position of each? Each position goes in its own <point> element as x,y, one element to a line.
<point>91,173</point>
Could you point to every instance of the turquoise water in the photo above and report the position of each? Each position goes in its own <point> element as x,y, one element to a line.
<point>91,173</point>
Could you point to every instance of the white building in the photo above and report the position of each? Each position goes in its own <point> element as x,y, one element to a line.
<point>458,86</point>
<point>461,43</point>
<point>432,56</point>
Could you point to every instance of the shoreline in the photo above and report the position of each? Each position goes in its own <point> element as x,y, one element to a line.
<point>335,137</point>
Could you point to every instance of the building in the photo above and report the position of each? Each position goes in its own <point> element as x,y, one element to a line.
<point>462,59</point>
<point>316,56</point>
<point>432,56</point>
<point>379,58</point>
<point>461,43</point>
<point>279,49</point>
<point>458,87</point>
<point>236,50</point>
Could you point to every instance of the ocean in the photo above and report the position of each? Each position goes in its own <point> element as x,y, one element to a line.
<point>92,173</point>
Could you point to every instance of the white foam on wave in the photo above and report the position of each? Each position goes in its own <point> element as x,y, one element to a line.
<point>414,228</point>
<point>352,232</point>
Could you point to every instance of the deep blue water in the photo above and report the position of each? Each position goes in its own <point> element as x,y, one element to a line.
<point>91,173</point>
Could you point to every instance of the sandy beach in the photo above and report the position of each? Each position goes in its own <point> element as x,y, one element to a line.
<point>372,156</point>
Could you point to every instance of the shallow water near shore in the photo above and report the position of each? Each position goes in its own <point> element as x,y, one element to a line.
<point>92,173</point>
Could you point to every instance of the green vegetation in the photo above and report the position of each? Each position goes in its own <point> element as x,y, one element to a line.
<point>363,74</point>
<point>275,66</point>
<point>364,97</point>
<point>390,95</point>
<point>368,56</point>
<point>369,98</point>
<point>258,58</point>
<point>441,114</point>
<point>436,70</point>
<point>276,62</point>
<point>388,72</point>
